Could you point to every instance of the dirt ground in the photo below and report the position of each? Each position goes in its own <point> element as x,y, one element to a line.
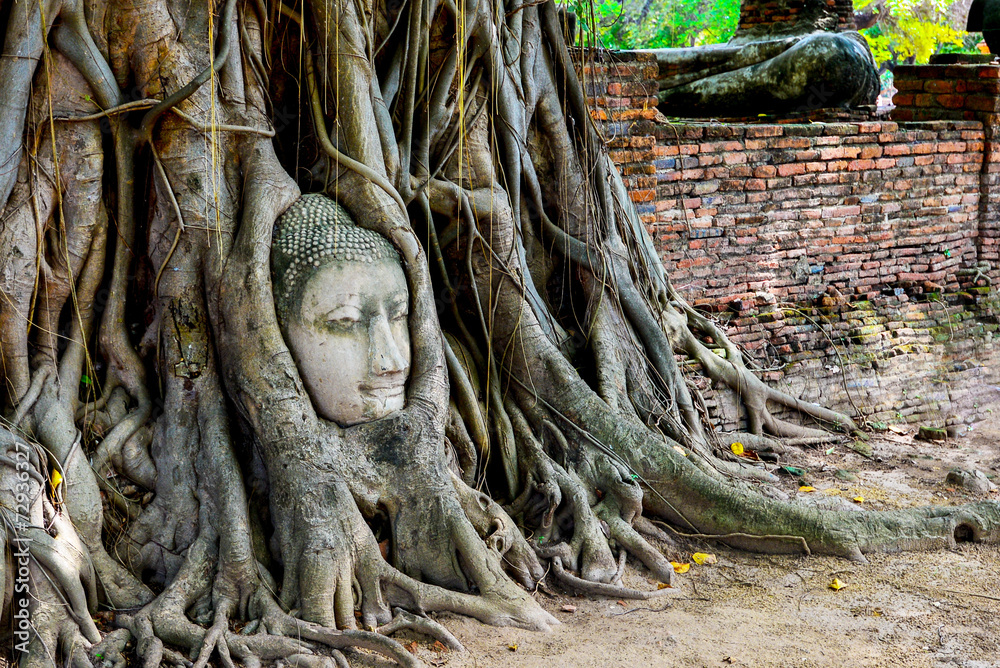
<point>936,609</point>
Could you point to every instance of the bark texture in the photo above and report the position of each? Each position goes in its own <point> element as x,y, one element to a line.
<point>160,456</point>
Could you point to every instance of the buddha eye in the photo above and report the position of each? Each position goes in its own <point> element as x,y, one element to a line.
<point>342,318</point>
<point>399,311</point>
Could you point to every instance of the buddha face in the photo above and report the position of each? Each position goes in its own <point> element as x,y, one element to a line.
<point>351,339</point>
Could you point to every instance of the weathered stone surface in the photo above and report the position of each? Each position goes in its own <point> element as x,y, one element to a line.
<point>932,434</point>
<point>846,476</point>
<point>787,56</point>
<point>974,481</point>
<point>791,74</point>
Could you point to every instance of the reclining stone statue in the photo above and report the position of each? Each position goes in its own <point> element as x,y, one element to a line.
<point>342,303</point>
<point>784,66</point>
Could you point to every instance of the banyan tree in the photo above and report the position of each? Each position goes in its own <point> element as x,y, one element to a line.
<point>319,317</point>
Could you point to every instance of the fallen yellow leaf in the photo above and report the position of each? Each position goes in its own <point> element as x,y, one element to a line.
<point>512,647</point>
<point>56,479</point>
<point>702,558</point>
<point>859,499</point>
<point>663,585</point>
<point>837,585</point>
<point>807,488</point>
<point>679,567</point>
<point>737,448</point>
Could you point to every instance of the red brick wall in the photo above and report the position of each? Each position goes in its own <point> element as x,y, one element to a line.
<point>961,92</point>
<point>841,256</point>
<point>946,92</point>
<point>796,209</point>
<point>757,14</point>
<point>621,92</point>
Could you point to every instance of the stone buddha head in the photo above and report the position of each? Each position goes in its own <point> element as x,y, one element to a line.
<point>342,304</point>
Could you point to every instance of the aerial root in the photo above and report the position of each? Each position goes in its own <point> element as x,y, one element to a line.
<point>27,402</point>
<point>277,621</point>
<point>500,534</point>
<point>72,573</point>
<point>646,527</point>
<point>600,588</point>
<point>274,636</point>
<point>588,549</point>
<point>148,647</point>
<point>109,653</point>
<point>753,392</point>
<point>315,661</point>
<point>215,640</point>
<point>635,544</point>
<point>425,625</point>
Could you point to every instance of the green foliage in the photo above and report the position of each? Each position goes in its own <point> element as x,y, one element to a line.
<point>911,31</point>
<point>653,24</point>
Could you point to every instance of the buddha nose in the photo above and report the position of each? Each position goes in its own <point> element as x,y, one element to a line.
<point>386,355</point>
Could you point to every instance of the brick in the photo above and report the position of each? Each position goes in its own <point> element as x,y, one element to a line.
<point>951,101</point>
<point>791,169</point>
<point>904,99</point>
<point>792,142</point>
<point>764,131</point>
<point>982,103</point>
<point>939,86</point>
<point>907,85</point>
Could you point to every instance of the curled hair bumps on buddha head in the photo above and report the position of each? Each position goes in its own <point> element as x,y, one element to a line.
<point>312,233</point>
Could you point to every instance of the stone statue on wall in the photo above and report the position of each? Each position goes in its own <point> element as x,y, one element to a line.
<point>795,56</point>
<point>342,303</point>
<point>984,17</point>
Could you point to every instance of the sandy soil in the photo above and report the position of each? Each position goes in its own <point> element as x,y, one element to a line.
<point>913,609</point>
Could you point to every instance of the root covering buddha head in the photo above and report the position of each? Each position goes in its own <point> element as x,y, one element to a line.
<point>342,303</point>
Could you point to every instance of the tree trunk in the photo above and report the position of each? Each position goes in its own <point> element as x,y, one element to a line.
<point>150,147</point>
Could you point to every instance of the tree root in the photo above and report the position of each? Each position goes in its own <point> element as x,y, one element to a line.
<point>583,454</point>
<point>404,620</point>
<point>600,588</point>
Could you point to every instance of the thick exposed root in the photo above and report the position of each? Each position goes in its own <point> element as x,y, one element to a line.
<point>428,627</point>
<point>679,491</point>
<point>601,588</point>
<point>547,272</point>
